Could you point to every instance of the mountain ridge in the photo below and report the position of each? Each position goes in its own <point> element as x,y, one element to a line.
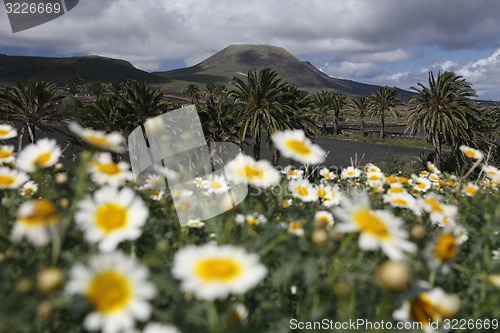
<point>233,60</point>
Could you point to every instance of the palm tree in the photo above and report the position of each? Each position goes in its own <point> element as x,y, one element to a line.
<point>75,85</point>
<point>35,105</point>
<point>339,100</point>
<point>361,106</point>
<point>98,89</point>
<point>260,102</point>
<point>215,92</point>
<point>105,115</point>
<point>192,92</point>
<point>322,103</point>
<point>444,111</point>
<point>383,101</point>
<point>139,103</point>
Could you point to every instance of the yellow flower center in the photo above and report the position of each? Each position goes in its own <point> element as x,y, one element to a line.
<point>44,213</point>
<point>470,153</point>
<point>371,224</point>
<point>392,179</point>
<point>43,159</point>
<point>294,226</point>
<point>28,192</point>
<point>5,153</point>
<point>322,193</point>
<point>421,186</point>
<point>374,177</point>
<point>403,180</point>
<point>218,269</point>
<point>351,173</point>
<point>252,172</point>
<point>423,311</point>
<point>302,191</point>
<point>471,190</point>
<point>97,140</point>
<point>111,217</point>
<point>216,185</point>
<point>400,201</point>
<point>396,190</point>
<point>252,221</point>
<point>298,146</point>
<point>323,221</point>
<point>4,132</point>
<point>6,180</point>
<point>109,168</point>
<point>109,292</point>
<point>435,205</point>
<point>446,248</point>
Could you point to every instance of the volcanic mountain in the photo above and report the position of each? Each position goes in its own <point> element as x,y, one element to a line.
<point>236,60</point>
<point>60,70</point>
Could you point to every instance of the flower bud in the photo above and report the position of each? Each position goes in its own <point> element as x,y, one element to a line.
<point>393,275</point>
<point>50,279</point>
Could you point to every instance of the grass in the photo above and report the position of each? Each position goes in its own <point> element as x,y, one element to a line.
<point>410,143</point>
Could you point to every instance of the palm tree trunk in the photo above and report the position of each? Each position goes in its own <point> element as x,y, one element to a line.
<point>325,129</point>
<point>382,125</point>
<point>437,148</point>
<point>276,157</point>
<point>336,125</point>
<point>20,139</point>
<point>362,127</point>
<point>256,148</point>
<point>31,133</point>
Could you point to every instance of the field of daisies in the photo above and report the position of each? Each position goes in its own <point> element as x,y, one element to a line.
<point>85,249</point>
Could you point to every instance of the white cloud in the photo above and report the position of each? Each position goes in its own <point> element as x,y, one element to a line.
<point>352,33</point>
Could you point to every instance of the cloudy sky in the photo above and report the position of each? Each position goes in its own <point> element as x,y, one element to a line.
<point>386,42</point>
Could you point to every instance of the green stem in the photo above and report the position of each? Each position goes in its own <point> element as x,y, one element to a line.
<point>432,278</point>
<point>278,240</point>
<point>213,317</point>
<point>2,214</point>
<point>79,190</point>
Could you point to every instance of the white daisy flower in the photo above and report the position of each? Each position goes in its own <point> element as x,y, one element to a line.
<point>334,197</point>
<point>403,200</point>
<point>239,314</point>
<point>6,154</point>
<point>154,181</point>
<point>198,182</point>
<point>471,153</point>
<point>36,221</point>
<point>295,228</point>
<point>42,154</point>
<point>327,174</point>
<point>214,272</point>
<point>104,171</point>
<point>99,139</point>
<point>302,189</point>
<point>369,168</point>
<point>440,213</point>
<point>421,184</point>
<point>470,189</point>
<point>432,168</point>
<point>294,144</point>
<point>195,223</point>
<point>350,172</point>
<point>495,254</point>
<point>323,191</point>
<point>157,195</point>
<point>11,178</point>
<point>375,179</point>
<point>118,289</point>
<point>250,219</point>
<point>433,177</point>
<point>111,216</point>
<point>492,172</point>
<point>7,132</point>
<point>29,189</point>
<point>292,173</point>
<point>215,184</point>
<point>323,219</point>
<point>378,228</point>
<point>427,306</point>
<point>444,249</point>
<point>244,169</point>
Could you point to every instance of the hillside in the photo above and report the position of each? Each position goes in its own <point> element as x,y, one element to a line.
<point>60,70</point>
<point>238,59</point>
